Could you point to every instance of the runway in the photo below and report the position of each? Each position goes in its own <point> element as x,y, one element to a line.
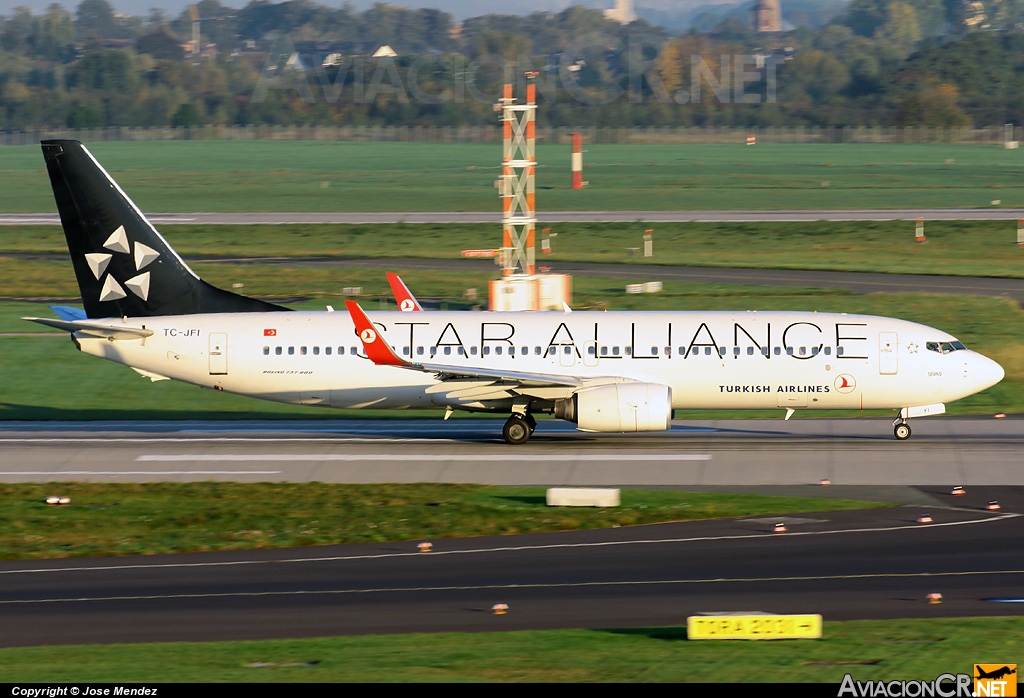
<point>733,216</point>
<point>844,565</point>
<point>712,453</point>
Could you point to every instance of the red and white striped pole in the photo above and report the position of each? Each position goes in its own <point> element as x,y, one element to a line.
<point>577,160</point>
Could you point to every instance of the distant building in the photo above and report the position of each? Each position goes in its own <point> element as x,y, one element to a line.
<point>384,51</point>
<point>621,13</point>
<point>767,16</point>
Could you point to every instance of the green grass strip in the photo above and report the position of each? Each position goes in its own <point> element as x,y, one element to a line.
<point>133,519</point>
<point>868,650</point>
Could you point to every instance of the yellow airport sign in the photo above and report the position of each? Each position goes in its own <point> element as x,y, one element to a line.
<point>754,627</point>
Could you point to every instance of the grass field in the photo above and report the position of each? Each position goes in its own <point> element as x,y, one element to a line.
<point>962,248</point>
<point>332,176</point>
<point>868,650</point>
<point>152,518</point>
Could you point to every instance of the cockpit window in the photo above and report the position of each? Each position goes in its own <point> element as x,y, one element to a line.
<point>944,347</point>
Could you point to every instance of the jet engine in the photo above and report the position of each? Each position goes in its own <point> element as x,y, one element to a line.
<point>619,407</point>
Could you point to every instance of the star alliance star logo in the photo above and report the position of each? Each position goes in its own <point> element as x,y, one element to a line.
<point>912,348</point>
<point>99,261</point>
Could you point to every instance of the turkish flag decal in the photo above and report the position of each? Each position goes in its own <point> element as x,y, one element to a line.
<point>269,333</point>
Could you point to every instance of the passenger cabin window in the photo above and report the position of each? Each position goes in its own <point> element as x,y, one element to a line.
<point>327,350</point>
<point>266,351</point>
<point>302,350</point>
<point>316,351</point>
<point>291,351</point>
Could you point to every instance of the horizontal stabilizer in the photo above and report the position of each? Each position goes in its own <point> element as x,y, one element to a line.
<point>94,329</point>
<point>66,312</point>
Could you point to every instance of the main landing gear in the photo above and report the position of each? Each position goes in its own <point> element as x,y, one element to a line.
<point>519,428</point>
<point>900,429</point>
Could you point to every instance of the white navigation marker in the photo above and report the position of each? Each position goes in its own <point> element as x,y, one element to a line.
<point>111,290</point>
<point>98,262</point>
<point>139,285</point>
<point>144,255</point>
<point>118,241</point>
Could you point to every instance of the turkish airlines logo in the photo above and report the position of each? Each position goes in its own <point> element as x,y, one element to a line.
<point>845,383</point>
<point>269,333</point>
<point>407,305</point>
<point>368,336</point>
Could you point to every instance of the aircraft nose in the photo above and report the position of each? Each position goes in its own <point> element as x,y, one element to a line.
<point>984,372</point>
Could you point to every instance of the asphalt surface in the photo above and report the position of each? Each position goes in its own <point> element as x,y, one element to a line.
<point>858,282</point>
<point>844,565</point>
<point>735,216</point>
<point>744,453</point>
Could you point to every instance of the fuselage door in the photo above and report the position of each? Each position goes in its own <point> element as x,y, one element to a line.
<point>566,355</point>
<point>887,355</point>
<point>218,353</point>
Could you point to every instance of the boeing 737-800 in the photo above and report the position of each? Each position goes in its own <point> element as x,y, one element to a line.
<point>604,371</point>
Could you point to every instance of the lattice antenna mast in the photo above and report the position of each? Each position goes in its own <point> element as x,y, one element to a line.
<point>518,170</point>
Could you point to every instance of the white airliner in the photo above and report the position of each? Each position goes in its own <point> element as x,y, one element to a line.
<point>604,371</point>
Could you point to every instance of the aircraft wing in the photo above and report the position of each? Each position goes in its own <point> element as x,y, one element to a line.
<point>94,329</point>
<point>407,302</point>
<point>380,352</point>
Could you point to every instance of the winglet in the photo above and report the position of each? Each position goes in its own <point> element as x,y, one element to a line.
<point>376,347</point>
<point>406,301</point>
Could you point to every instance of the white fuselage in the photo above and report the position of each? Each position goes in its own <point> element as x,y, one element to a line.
<point>732,360</point>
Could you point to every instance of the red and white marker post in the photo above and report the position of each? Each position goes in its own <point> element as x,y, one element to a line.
<point>577,160</point>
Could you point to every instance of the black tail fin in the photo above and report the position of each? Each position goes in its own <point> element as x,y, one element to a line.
<point>124,266</point>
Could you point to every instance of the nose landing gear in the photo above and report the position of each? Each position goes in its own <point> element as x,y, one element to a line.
<point>900,429</point>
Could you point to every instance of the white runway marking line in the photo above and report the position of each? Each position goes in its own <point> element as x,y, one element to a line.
<point>512,587</point>
<point>140,472</point>
<point>225,439</point>
<point>516,548</point>
<point>430,458</point>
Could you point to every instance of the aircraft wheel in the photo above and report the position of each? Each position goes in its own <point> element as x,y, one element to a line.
<point>902,431</point>
<point>531,422</point>
<point>516,430</point>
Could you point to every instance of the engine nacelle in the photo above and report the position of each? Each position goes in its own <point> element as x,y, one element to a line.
<point>619,407</point>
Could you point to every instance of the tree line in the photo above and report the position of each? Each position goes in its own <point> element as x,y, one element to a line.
<point>877,62</point>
